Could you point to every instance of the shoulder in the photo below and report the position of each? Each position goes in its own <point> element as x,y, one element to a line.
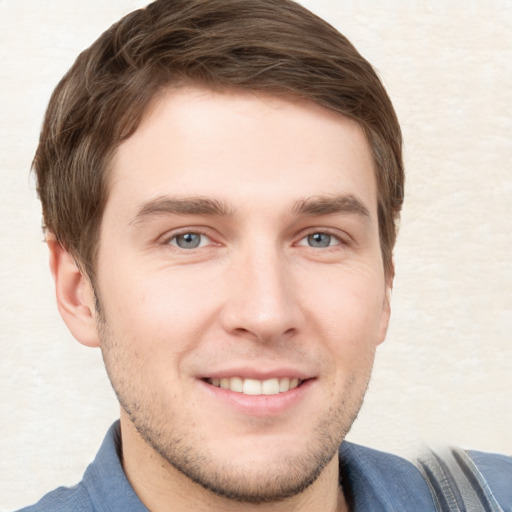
<point>63,499</point>
<point>469,477</point>
<point>497,471</point>
<point>376,480</point>
<point>104,485</point>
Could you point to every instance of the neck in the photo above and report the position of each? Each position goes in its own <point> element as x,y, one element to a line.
<point>161,487</point>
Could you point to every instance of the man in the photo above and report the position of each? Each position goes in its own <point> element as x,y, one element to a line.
<point>220,184</point>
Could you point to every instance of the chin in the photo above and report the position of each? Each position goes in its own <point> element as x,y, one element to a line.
<point>270,479</point>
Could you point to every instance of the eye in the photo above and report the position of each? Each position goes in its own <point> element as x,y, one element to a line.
<point>320,240</point>
<point>189,240</point>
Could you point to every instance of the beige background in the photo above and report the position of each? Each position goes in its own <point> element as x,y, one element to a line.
<point>445,372</point>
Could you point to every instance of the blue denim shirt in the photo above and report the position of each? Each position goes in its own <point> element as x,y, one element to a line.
<point>372,481</point>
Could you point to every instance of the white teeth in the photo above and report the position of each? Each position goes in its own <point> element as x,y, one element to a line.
<point>236,384</point>
<point>252,387</point>
<point>284,384</point>
<point>256,387</point>
<point>270,387</point>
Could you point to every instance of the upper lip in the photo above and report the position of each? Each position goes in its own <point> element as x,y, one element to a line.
<point>250,372</point>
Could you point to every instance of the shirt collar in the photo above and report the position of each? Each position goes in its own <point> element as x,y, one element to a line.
<point>375,481</point>
<point>105,480</point>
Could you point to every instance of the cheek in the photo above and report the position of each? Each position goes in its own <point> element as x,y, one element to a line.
<point>348,306</point>
<point>165,310</point>
<point>345,315</point>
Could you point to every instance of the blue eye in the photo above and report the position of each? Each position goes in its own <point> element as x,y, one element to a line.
<point>188,240</point>
<point>321,240</point>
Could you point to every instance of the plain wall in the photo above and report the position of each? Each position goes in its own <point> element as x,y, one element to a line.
<point>445,372</point>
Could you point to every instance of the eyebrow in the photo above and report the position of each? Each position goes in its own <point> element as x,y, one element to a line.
<point>310,206</point>
<point>181,206</point>
<point>326,205</point>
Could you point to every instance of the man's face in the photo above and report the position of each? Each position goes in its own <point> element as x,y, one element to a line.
<point>241,287</point>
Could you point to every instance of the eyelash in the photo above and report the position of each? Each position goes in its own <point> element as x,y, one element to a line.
<point>338,240</point>
<point>206,239</point>
<point>175,236</point>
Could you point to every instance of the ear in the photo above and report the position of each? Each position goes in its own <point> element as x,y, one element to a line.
<point>75,296</point>
<point>386,305</point>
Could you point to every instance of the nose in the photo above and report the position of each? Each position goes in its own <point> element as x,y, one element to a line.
<point>262,301</point>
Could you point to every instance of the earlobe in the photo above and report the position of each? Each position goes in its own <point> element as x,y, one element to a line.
<point>74,293</point>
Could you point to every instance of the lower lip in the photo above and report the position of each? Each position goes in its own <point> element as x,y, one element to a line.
<point>260,405</point>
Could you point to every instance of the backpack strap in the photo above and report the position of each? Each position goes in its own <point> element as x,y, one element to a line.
<point>455,482</point>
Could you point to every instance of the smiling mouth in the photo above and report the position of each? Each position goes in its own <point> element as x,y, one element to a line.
<point>256,387</point>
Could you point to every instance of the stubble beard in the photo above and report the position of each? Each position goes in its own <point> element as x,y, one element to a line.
<point>288,476</point>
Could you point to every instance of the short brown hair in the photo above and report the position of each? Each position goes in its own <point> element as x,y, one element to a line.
<point>274,46</point>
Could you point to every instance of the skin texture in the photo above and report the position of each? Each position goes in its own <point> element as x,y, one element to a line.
<point>254,177</point>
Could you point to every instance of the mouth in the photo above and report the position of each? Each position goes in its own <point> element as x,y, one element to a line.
<point>255,387</point>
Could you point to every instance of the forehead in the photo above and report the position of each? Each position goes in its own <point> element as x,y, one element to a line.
<point>236,145</point>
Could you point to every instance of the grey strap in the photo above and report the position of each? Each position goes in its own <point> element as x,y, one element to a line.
<point>455,482</point>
